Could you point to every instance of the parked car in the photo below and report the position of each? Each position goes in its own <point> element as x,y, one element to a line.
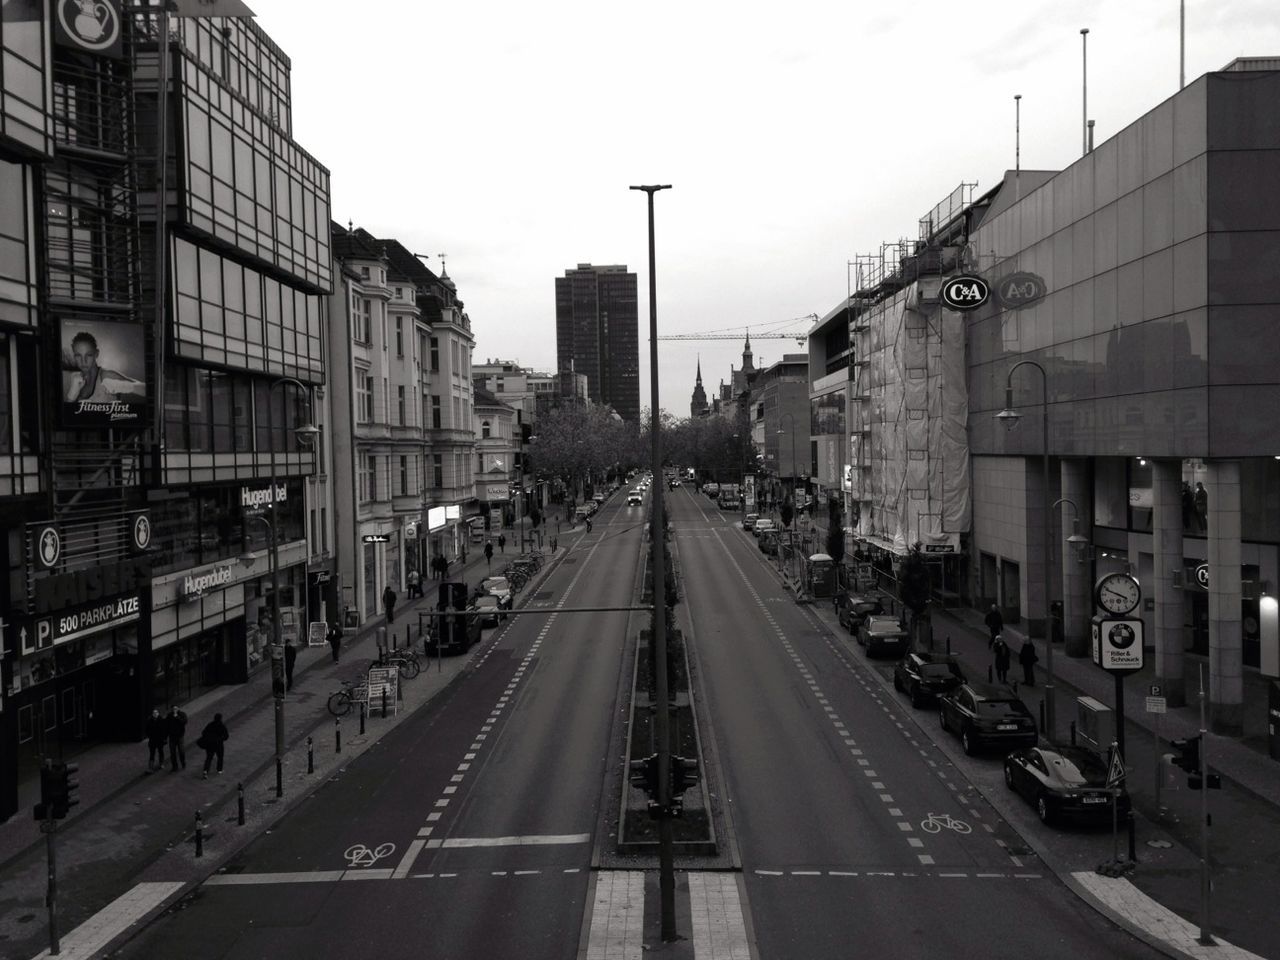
<point>1063,783</point>
<point>456,640</point>
<point>498,587</point>
<point>926,676</point>
<point>763,525</point>
<point>852,608</point>
<point>987,714</point>
<point>769,542</point>
<point>487,609</point>
<point>749,520</point>
<point>598,498</point>
<point>880,634</point>
<point>712,490</point>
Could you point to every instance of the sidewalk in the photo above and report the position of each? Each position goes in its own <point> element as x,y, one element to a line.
<point>128,819</point>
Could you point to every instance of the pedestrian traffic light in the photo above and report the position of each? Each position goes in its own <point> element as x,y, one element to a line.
<point>644,775</point>
<point>1187,755</point>
<point>57,790</point>
<point>684,774</point>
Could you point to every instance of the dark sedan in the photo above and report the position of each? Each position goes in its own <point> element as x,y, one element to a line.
<point>926,676</point>
<point>986,714</point>
<point>1067,783</point>
<point>882,635</point>
<point>853,608</point>
<point>488,608</point>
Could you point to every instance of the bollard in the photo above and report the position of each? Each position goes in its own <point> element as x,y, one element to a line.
<point>311,757</point>
<point>394,641</point>
<point>240,804</point>
<point>363,707</point>
<point>1073,733</point>
<point>337,734</point>
<point>199,835</point>
<point>399,688</point>
<point>384,701</point>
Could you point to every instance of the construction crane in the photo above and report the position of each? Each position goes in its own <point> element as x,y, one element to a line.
<point>799,338</point>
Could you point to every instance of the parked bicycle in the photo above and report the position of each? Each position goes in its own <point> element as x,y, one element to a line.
<point>406,659</point>
<point>352,692</point>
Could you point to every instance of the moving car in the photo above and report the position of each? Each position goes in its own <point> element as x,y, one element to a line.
<point>1067,783</point>
<point>926,676</point>
<point>749,520</point>
<point>711,489</point>
<point>987,714</point>
<point>852,608</point>
<point>635,498</point>
<point>881,634</point>
<point>487,610</point>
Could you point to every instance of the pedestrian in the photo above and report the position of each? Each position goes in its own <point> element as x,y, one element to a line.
<point>213,739</point>
<point>444,567</point>
<point>389,603</point>
<point>994,622</point>
<point>488,554</point>
<point>335,638</point>
<point>1188,509</point>
<point>157,734</point>
<point>1027,657</point>
<point>176,729</point>
<point>415,584</point>
<point>502,542</point>
<point>290,655</point>
<point>1002,656</point>
<point>1202,506</point>
<point>554,544</point>
<point>436,562</point>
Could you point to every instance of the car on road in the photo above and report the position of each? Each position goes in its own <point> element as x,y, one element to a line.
<point>926,676</point>
<point>498,587</point>
<point>763,525</point>
<point>488,610</point>
<point>749,520</point>
<point>635,498</point>
<point>880,634</point>
<point>852,608</point>
<point>598,498</point>
<point>1063,783</point>
<point>712,490</point>
<point>460,636</point>
<point>769,542</point>
<point>986,715</point>
<point>673,483</point>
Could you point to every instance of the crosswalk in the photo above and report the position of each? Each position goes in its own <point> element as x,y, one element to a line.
<point>712,904</point>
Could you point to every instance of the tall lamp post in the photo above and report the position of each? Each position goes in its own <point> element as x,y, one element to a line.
<point>307,432</point>
<point>794,513</point>
<point>1009,416</point>
<point>662,717</point>
<point>742,463</point>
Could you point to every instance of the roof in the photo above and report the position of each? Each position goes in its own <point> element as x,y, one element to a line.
<point>357,244</point>
<point>406,265</point>
<point>483,398</point>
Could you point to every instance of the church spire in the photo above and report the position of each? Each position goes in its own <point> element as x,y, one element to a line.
<point>699,369</point>
<point>747,365</point>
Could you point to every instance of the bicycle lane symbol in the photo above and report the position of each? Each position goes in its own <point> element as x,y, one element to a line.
<point>935,823</point>
<point>358,855</point>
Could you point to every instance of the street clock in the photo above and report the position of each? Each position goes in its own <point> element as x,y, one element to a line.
<point>1117,593</point>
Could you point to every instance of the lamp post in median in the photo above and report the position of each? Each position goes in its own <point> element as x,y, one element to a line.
<point>791,530</point>
<point>307,433</point>
<point>1009,416</point>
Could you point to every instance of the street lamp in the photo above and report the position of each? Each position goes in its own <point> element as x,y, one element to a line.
<point>1009,416</point>
<point>794,505</point>
<point>306,433</point>
<point>742,462</point>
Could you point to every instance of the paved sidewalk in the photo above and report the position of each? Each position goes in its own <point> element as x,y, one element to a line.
<point>129,819</point>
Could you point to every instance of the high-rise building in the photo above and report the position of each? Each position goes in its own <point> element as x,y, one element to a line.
<point>598,335</point>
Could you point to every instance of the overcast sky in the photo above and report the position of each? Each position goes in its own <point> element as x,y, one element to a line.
<point>795,136</point>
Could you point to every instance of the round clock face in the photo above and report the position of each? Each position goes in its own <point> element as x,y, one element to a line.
<point>1118,593</point>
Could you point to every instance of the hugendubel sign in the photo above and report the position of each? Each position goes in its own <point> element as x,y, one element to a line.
<point>257,498</point>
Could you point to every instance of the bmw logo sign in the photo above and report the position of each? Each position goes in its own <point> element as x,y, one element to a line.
<point>965,292</point>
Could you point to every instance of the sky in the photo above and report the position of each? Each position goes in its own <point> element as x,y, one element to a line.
<point>795,136</point>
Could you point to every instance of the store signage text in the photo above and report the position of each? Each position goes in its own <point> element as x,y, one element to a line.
<point>72,625</point>
<point>255,499</point>
<point>195,584</point>
<point>63,590</point>
<point>965,292</point>
<point>1019,290</point>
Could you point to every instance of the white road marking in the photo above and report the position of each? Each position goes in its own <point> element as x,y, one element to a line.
<point>406,862</point>
<point>617,916</point>
<point>250,879</point>
<point>715,916</point>
<point>534,840</point>
<point>96,932</point>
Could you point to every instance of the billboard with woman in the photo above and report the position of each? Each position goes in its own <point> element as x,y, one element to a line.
<point>103,372</point>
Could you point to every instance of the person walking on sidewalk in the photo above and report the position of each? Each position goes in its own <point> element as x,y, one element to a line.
<point>176,729</point>
<point>389,603</point>
<point>415,584</point>
<point>335,638</point>
<point>1027,656</point>
<point>213,741</point>
<point>1003,658</point>
<point>290,657</point>
<point>502,542</point>
<point>994,622</point>
<point>488,554</point>
<point>157,733</point>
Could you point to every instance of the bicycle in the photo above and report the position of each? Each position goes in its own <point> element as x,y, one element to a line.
<point>406,659</point>
<point>936,821</point>
<point>340,702</point>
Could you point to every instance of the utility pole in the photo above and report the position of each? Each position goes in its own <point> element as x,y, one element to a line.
<point>1206,935</point>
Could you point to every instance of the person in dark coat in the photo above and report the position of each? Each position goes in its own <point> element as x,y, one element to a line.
<point>1027,656</point>
<point>213,741</point>
<point>290,655</point>
<point>157,733</point>
<point>502,542</point>
<point>1003,658</point>
<point>389,603</point>
<point>488,554</point>
<point>335,639</point>
<point>994,622</point>
<point>176,730</point>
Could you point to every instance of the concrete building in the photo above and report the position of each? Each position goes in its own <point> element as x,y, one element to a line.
<point>779,413</point>
<point>598,334</point>
<point>497,451</point>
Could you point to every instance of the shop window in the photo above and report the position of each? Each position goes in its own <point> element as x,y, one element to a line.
<point>1110,500</point>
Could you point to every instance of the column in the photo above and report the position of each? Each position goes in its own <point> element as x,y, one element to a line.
<point>1226,686</point>
<point>1167,630</point>
<point>1077,603</point>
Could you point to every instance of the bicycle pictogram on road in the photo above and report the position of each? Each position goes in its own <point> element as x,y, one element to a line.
<point>937,821</point>
<point>358,855</point>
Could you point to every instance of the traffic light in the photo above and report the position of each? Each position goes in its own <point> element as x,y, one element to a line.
<point>1187,755</point>
<point>57,790</point>
<point>684,774</point>
<point>644,775</point>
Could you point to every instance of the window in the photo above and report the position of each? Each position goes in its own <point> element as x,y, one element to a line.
<point>479,463</point>
<point>324,529</point>
<point>362,479</point>
<point>400,405</point>
<point>399,336</point>
<point>404,476</point>
<point>399,293</point>
<point>435,412</point>
<point>500,386</point>
<point>373,477</point>
<point>386,399</point>
<point>485,432</point>
<point>360,331</point>
<point>364,273</point>
<point>437,470</point>
<point>435,354</point>
<point>382,319</point>
<point>364,398</point>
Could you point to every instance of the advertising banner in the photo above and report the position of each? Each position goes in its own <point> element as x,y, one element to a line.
<point>92,26</point>
<point>103,372</point>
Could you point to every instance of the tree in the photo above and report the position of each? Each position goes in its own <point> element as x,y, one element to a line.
<point>788,513</point>
<point>915,588</point>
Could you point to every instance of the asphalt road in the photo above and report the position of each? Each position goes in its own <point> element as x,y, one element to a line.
<point>831,789</point>
<point>515,749</point>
